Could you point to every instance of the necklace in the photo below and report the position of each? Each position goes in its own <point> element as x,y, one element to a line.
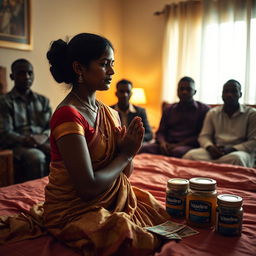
<point>93,110</point>
<point>84,103</point>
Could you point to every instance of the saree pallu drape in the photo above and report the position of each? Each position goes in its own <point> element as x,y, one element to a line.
<point>113,222</point>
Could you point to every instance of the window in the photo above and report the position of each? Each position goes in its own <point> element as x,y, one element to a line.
<point>215,42</point>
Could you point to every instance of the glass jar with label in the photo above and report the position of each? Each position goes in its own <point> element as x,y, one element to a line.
<point>229,215</point>
<point>176,194</point>
<point>201,202</point>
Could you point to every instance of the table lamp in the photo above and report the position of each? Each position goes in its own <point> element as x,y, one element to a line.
<point>138,96</point>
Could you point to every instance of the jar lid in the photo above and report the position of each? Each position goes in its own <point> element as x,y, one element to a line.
<point>201,183</point>
<point>229,200</point>
<point>177,183</point>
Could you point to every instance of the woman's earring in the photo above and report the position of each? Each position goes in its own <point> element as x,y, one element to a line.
<point>80,79</point>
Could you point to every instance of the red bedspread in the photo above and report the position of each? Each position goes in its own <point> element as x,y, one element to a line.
<point>151,173</point>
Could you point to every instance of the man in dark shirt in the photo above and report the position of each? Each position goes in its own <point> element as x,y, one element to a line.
<point>180,124</point>
<point>127,111</point>
<point>24,124</point>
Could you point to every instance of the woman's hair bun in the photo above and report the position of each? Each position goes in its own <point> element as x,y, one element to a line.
<point>57,57</point>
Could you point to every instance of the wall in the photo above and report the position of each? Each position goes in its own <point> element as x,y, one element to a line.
<point>112,28</point>
<point>142,50</point>
<point>135,32</point>
<point>54,19</point>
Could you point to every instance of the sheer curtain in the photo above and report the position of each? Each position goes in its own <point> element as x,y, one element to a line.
<point>181,54</point>
<point>224,48</point>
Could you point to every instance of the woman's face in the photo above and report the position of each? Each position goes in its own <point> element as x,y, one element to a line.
<point>98,75</point>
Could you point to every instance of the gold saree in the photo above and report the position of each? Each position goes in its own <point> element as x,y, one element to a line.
<point>114,220</point>
<point>112,223</point>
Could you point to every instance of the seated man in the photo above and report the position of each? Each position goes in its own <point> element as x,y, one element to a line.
<point>180,123</point>
<point>24,124</point>
<point>229,131</point>
<point>127,111</point>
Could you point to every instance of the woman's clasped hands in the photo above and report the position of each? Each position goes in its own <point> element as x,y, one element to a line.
<point>129,139</point>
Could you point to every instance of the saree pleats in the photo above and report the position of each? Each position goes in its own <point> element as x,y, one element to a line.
<point>101,226</point>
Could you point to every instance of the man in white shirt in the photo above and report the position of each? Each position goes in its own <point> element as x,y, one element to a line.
<point>229,131</point>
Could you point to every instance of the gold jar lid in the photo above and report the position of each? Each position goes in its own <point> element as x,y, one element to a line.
<point>202,183</point>
<point>229,200</point>
<point>177,183</point>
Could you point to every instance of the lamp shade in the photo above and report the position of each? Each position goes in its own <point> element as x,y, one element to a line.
<point>138,96</point>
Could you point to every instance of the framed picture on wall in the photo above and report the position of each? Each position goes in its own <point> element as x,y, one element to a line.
<point>15,24</point>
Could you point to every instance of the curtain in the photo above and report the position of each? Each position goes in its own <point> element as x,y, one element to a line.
<point>182,42</point>
<point>221,35</point>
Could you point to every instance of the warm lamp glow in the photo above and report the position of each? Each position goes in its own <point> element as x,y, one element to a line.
<point>138,96</point>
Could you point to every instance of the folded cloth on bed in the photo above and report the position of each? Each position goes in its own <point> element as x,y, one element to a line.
<point>22,226</point>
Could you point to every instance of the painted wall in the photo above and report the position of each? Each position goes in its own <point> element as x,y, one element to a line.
<point>54,19</point>
<point>135,32</point>
<point>142,51</point>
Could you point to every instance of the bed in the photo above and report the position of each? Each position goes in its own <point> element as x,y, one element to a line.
<point>151,173</point>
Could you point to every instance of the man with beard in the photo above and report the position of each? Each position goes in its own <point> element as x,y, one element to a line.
<point>229,131</point>
<point>24,124</point>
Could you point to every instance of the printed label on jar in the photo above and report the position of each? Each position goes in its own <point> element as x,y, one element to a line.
<point>228,224</point>
<point>200,211</point>
<point>175,206</point>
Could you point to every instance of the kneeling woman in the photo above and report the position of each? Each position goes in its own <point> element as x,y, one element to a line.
<point>89,201</point>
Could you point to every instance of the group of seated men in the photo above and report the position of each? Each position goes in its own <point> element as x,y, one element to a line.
<point>188,129</point>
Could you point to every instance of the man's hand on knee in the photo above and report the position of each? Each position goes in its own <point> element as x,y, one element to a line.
<point>214,152</point>
<point>226,150</point>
